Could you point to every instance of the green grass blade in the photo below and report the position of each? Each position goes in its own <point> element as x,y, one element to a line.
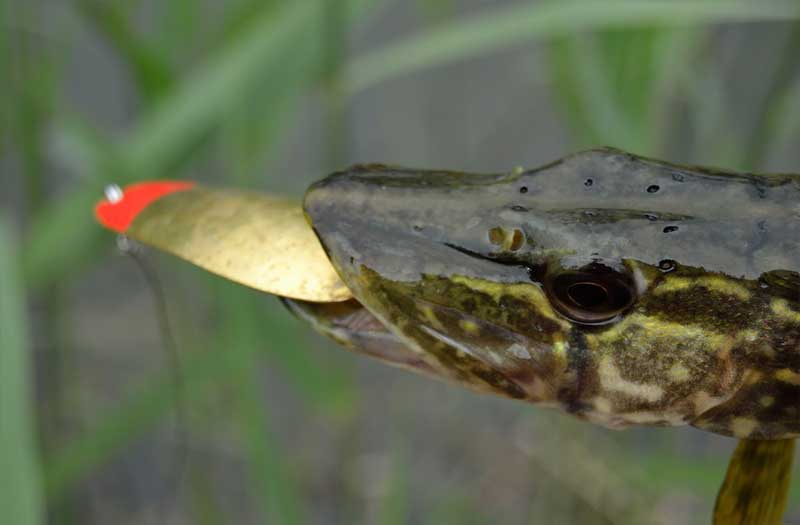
<point>240,340</point>
<point>205,510</point>
<point>133,418</point>
<point>768,120</point>
<point>322,384</point>
<point>394,503</point>
<point>787,125</point>
<point>614,84</point>
<point>178,30</point>
<point>699,475</point>
<point>456,506</point>
<point>150,72</point>
<point>251,134</point>
<point>30,78</point>
<point>500,28</point>
<point>202,369</point>
<point>238,18</point>
<point>6,104</point>
<point>21,501</point>
<point>582,75</point>
<point>671,66</point>
<point>64,238</point>
<point>200,104</point>
<point>567,90</point>
<point>274,488</point>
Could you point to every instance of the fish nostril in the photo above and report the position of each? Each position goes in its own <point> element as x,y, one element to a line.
<point>667,265</point>
<point>653,188</point>
<point>507,240</point>
<point>670,229</point>
<point>517,239</point>
<point>588,183</point>
<point>497,236</point>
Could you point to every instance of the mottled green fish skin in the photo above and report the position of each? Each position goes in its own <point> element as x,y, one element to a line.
<point>453,269</point>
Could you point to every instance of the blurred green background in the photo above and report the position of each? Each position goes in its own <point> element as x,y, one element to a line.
<point>279,425</point>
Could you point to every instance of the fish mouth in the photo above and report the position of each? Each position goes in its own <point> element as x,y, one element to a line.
<point>423,252</point>
<point>351,325</point>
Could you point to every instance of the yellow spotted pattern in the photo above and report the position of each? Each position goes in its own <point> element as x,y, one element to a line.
<point>524,292</point>
<point>788,376</point>
<point>781,308</point>
<point>710,282</point>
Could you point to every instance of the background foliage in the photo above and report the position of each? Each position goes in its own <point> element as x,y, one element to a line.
<point>278,426</point>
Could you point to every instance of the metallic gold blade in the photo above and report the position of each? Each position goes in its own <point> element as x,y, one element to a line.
<point>757,483</point>
<point>254,239</point>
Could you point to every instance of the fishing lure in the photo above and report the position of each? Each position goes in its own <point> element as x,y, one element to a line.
<point>619,289</point>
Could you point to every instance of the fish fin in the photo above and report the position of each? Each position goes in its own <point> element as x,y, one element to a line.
<point>756,485</point>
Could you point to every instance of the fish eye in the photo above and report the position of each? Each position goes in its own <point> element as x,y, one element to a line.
<point>592,295</point>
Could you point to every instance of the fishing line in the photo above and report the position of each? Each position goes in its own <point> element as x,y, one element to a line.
<point>175,474</point>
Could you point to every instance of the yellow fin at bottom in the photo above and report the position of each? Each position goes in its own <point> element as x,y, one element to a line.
<point>756,485</point>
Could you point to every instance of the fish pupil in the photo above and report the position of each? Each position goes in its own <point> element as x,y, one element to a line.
<point>587,294</point>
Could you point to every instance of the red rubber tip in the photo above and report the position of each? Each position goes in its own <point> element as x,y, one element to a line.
<point>119,215</point>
